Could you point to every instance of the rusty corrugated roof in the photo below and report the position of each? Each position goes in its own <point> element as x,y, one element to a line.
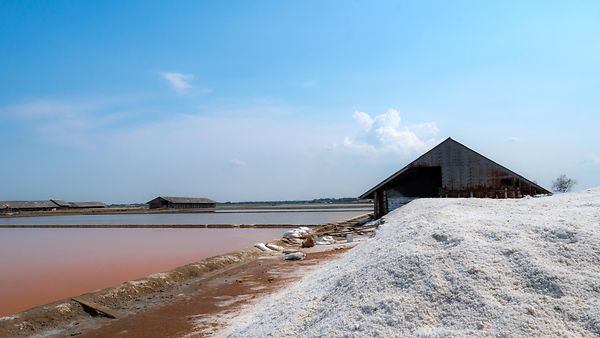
<point>369,194</point>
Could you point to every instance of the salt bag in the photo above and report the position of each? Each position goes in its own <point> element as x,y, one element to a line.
<point>328,239</point>
<point>294,256</point>
<point>292,234</point>
<point>274,247</point>
<point>261,246</point>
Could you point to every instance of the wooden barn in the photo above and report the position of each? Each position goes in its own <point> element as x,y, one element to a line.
<point>162,202</point>
<point>13,206</point>
<point>50,205</point>
<point>449,170</point>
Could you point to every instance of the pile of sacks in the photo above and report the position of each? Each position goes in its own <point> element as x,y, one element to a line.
<point>302,236</point>
<point>296,237</point>
<point>289,254</point>
<point>268,247</point>
<point>325,240</point>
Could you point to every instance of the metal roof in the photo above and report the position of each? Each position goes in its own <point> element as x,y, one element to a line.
<point>180,200</point>
<point>87,205</point>
<point>369,193</point>
<point>61,203</point>
<point>28,204</point>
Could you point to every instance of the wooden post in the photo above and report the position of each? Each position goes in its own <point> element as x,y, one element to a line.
<point>376,206</point>
<point>110,313</point>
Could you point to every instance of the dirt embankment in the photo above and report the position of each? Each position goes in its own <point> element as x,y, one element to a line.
<point>216,300</point>
<point>128,298</point>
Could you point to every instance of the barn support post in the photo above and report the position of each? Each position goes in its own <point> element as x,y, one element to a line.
<point>385,203</point>
<point>376,204</point>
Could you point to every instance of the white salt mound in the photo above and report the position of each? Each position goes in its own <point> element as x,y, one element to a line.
<point>453,267</point>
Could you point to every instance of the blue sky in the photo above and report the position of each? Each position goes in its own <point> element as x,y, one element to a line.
<point>121,101</point>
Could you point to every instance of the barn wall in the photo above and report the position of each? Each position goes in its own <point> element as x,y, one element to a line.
<point>192,205</point>
<point>395,199</point>
<point>156,204</point>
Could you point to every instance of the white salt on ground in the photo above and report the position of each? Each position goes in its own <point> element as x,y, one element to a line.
<point>452,267</point>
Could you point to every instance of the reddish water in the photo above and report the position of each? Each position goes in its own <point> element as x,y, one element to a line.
<point>38,266</point>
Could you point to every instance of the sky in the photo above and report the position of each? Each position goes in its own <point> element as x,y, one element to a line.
<point>122,101</point>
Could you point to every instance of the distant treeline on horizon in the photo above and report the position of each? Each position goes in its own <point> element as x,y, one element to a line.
<point>316,200</point>
<point>313,201</point>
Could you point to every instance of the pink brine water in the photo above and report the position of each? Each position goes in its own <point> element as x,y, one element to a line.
<point>38,266</point>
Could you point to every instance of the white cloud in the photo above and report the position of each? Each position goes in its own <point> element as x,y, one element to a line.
<point>363,119</point>
<point>238,163</point>
<point>359,147</point>
<point>513,139</point>
<point>179,81</point>
<point>385,133</point>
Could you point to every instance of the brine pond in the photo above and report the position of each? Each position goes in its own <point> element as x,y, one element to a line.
<point>38,266</point>
<point>222,217</point>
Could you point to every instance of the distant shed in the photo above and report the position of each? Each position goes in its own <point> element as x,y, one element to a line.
<point>49,205</point>
<point>449,170</point>
<point>28,206</point>
<point>182,203</point>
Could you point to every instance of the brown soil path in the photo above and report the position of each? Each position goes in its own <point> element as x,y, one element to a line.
<point>202,312</point>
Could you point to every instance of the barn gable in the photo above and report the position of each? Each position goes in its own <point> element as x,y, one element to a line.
<point>450,170</point>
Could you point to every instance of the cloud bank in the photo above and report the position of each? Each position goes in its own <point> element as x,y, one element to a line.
<point>69,122</point>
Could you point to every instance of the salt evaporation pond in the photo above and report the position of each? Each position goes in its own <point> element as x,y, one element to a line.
<point>38,266</point>
<point>227,217</point>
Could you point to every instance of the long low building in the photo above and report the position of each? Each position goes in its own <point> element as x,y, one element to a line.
<point>46,205</point>
<point>28,205</point>
<point>164,202</point>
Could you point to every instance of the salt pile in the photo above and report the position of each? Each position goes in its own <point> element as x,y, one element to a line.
<point>453,267</point>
